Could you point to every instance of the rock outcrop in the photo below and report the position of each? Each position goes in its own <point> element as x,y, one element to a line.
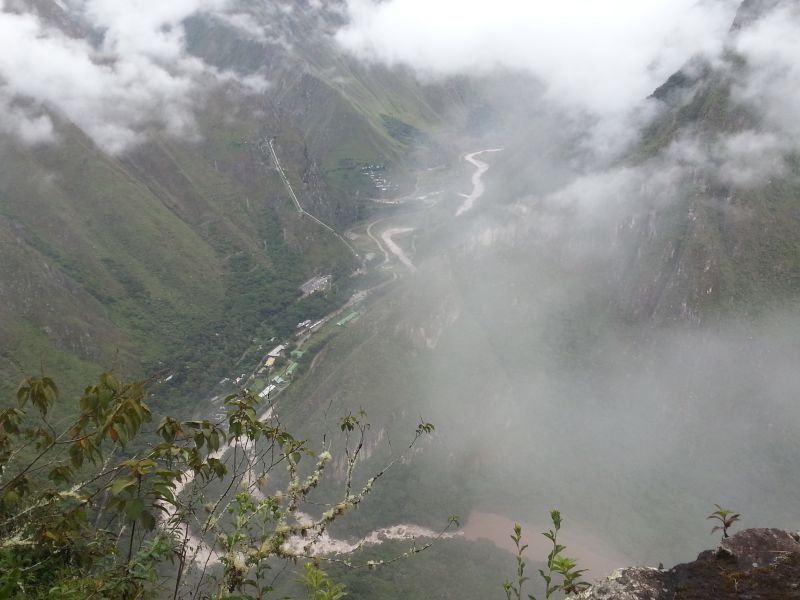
<point>755,564</point>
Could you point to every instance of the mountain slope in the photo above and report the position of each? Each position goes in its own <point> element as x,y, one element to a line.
<point>174,254</point>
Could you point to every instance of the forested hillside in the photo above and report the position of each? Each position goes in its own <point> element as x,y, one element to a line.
<point>174,255</point>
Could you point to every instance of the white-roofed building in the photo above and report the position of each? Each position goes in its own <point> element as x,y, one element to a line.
<point>277,351</point>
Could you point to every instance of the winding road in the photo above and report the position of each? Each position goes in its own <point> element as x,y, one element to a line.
<point>387,236</point>
<point>478,187</point>
<point>377,242</point>
<point>386,244</point>
<point>271,145</point>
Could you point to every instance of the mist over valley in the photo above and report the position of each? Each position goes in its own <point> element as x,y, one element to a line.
<point>477,261</point>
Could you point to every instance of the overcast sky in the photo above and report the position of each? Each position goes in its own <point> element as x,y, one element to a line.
<point>602,56</point>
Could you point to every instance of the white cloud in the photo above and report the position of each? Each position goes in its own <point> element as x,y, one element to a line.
<point>771,78</point>
<point>598,62</point>
<point>591,209</point>
<point>246,25</point>
<point>750,157</point>
<point>137,78</point>
<point>146,28</point>
<point>29,127</point>
<point>600,56</point>
<point>741,159</point>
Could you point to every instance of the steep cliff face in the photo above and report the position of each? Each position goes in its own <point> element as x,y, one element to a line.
<point>726,238</point>
<point>757,564</point>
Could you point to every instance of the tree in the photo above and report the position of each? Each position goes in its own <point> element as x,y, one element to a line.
<point>100,508</point>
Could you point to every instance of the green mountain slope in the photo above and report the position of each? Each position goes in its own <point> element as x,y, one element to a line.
<point>718,246</point>
<point>176,254</point>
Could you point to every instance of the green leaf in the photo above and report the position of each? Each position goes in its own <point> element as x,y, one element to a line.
<point>76,455</point>
<point>108,380</point>
<point>147,520</point>
<point>134,508</point>
<point>122,484</point>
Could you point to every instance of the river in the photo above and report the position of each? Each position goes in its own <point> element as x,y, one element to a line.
<point>478,187</point>
<point>479,525</point>
<point>592,553</point>
<point>327,545</point>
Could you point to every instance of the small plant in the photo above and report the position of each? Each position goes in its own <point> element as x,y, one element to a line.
<point>726,518</point>
<point>557,564</point>
<point>318,585</point>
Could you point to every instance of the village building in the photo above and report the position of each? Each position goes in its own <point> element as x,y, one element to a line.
<point>347,319</point>
<point>317,284</point>
<point>267,391</point>
<point>277,351</point>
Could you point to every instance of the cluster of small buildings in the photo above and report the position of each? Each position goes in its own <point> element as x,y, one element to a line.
<point>288,373</point>
<point>273,370</point>
<point>380,181</point>
<point>321,283</point>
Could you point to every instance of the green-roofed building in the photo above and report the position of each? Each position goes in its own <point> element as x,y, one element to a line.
<point>292,369</point>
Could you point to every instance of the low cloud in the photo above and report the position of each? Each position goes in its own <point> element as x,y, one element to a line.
<point>24,123</point>
<point>749,158</point>
<point>135,78</point>
<point>598,62</point>
<point>602,57</point>
<point>742,159</point>
<point>585,217</point>
<point>771,77</point>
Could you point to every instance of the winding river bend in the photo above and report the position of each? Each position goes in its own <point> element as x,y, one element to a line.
<point>325,544</point>
<point>387,236</point>
<point>478,187</point>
